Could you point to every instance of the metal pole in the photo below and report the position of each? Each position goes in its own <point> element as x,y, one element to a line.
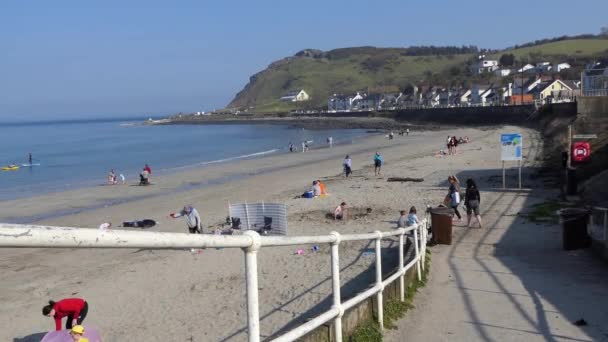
<point>519,167</point>
<point>402,277</point>
<point>569,146</point>
<point>605,225</point>
<point>417,253</point>
<point>251,272</point>
<point>504,182</point>
<point>379,279</point>
<point>335,278</point>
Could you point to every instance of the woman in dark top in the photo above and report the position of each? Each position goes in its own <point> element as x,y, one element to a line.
<point>471,201</point>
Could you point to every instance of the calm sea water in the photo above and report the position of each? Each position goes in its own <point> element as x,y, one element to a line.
<point>80,153</point>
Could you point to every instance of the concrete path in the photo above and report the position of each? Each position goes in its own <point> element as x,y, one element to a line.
<point>510,281</point>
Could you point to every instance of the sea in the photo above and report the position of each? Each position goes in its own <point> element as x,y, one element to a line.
<point>80,153</point>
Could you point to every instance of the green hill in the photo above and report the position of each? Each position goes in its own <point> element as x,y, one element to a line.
<point>348,70</point>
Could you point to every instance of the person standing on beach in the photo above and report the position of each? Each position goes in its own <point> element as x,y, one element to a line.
<point>407,132</point>
<point>75,309</point>
<point>290,146</point>
<point>29,158</point>
<point>303,146</point>
<point>453,196</point>
<point>377,163</point>
<point>471,201</point>
<point>193,219</point>
<point>347,164</point>
<point>112,177</point>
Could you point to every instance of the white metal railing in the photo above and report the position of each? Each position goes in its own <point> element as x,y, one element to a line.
<point>13,235</point>
<point>603,235</point>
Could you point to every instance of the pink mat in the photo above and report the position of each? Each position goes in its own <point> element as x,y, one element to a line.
<point>64,335</point>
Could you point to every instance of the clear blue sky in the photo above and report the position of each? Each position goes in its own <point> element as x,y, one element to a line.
<point>71,58</point>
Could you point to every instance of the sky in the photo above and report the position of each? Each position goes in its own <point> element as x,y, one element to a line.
<point>75,59</point>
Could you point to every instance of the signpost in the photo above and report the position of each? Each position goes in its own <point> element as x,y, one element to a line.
<point>511,146</point>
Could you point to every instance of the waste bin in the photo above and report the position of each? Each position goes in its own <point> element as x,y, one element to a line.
<point>571,187</point>
<point>441,225</point>
<point>574,226</point>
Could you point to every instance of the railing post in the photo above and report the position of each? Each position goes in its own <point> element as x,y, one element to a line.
<point>605,224</point>
<point>402,277</point>
<point>416,249</point>
<point>379,279</point>
<point>335,278</point>
<point>251,272</point>
<point>424,238</point>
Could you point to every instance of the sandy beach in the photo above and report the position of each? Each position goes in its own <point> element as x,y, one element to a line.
<point>184,296</point>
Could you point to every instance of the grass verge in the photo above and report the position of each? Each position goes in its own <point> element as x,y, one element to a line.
<point>394,309</point>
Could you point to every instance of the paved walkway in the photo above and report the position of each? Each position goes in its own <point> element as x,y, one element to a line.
<point>510,281</point>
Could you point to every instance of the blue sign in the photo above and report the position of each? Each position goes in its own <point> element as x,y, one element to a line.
<point>511,146</point>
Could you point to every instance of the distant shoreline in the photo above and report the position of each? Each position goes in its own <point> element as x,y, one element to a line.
<point>312,123</point>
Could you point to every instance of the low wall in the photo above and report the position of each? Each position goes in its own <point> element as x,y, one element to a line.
<point>593,106</point>
<point>481,116</point>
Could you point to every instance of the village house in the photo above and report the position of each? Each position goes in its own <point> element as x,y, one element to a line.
<point>559,91</point>
<point>528,68</point>
<point>295,96</point>
<point>543,67</point>
<point>502,72</point>
<point>562,66</point>
<point>595,79</point>
<point>485,65</point>
<point>338,103</point>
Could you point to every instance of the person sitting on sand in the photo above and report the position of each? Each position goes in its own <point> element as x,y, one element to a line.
<point>75,309</point>
<point>144,177</point>
<point>193,219</point>
<point>322,187</point>
<point>112,177</point>
<point>76,334</point>
<point>341,213</point>
<point>316,189</point>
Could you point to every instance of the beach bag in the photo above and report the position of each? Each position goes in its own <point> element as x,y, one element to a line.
<point>455,198</point>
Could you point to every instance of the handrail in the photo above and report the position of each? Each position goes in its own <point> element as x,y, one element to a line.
<point>32,236</point>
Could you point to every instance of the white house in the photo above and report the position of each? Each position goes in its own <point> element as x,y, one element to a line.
<point>486,65</point>
<point>543,67</point>
<point>527,68</point>
<point>503,72</point>
<point>465,98</point>
<point>295,96</point>
<point>477,90</point>
<point>562,66</point>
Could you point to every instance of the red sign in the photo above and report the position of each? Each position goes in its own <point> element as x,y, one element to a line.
<point>581,152</point>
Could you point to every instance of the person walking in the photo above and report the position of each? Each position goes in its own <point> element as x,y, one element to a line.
<point>407,132</point>
<point>75,309</point>
<point>471,201</point>
<point>377,163</point>
<point>193,219</point>
<point>347,164</point>
<point>453,197</point>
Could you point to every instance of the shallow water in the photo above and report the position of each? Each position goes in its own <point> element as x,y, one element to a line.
<point>75,154</point>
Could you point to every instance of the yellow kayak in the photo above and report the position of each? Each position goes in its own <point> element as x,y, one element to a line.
<point>10,168</point>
